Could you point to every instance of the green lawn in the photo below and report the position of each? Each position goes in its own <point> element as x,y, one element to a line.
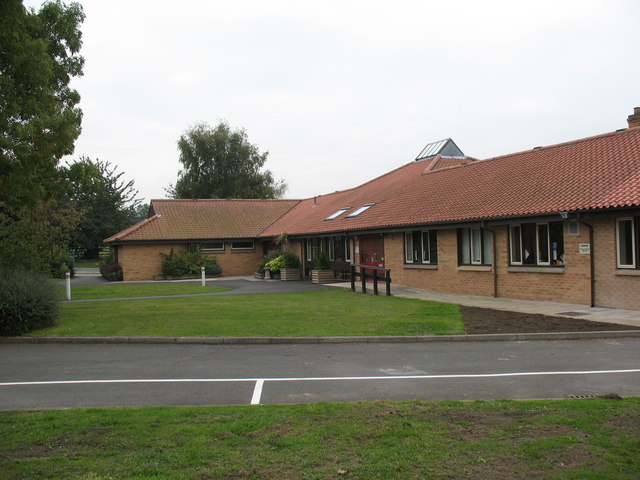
<point>564,439</point>
<point>87,263</point>
<point>128,291</point>
<point>333,312</point>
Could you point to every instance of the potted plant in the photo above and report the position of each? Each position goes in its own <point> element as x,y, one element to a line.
<point>322,272</point>
<point>289,267</point>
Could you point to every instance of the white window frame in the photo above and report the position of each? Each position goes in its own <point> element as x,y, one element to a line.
<point>347,250</point>
<point>512,244</point>
<point>408,247</point>
<point>332,253</point>
<point>309,250</point>
<point>220,249</point>
<point>633,242</point>
<point>360,210</point>
<point>426,249</point>
<point>337,214</point>
<point>243,249</point>
<point>538,242</point>
<point>475,233</point>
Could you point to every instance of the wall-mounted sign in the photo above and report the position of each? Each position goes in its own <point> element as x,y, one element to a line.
<point>585,248</point>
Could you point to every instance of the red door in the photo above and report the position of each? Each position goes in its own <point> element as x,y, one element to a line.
<point>372,252</point>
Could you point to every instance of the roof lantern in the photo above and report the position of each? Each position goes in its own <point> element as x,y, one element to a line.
<point>444,148</point>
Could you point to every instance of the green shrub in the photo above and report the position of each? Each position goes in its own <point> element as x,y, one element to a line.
<point>322,261</point>
<point>62,264</point>
<point>290,260</point>
<point>260,267</point>
<point>112,272</point>
<point>28,302</point>
<point>109,268</point>
<point>188,261</point>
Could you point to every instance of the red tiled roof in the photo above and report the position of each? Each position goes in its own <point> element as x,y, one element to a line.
<point>592,173</point>
<point>205,219</point>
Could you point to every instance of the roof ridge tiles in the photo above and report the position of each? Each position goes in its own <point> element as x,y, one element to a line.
<point>622,131</point>
<point>253,200</point>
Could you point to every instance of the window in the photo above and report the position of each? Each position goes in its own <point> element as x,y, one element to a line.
<point>360,210</point>
<point>421,247</point>
<point>474,246</point>
<point>338,213</point>
<point>540,244</point>
<point>626,242</point>
<point>347,249</point>
<point>212,246</point>
<point>242,245</point>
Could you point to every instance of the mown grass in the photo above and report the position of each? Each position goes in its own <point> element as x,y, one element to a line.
<point>128,291</point>
<point>565,439</point>
<point>333,312</point>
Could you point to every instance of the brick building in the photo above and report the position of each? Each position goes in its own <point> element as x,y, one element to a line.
<point>559,223</point>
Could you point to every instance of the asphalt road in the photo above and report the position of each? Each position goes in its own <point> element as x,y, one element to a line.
<point>68,376</point>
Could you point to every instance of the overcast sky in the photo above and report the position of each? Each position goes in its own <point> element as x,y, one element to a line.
<point>339,92</point>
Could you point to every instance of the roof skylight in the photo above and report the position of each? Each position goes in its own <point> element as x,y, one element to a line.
<point>338,213</point>
<point>446,148</point>
<point>360,210</point>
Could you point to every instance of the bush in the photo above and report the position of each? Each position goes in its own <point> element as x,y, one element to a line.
<point>286,260</point>
<point>28,302</point>
<point>322,262</point>
<point>188,261</point>
<point>112,272</point>
<point>60,265</point>
<point>109,268</point>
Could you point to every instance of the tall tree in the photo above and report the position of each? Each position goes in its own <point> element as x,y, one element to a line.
<point>221,163</point>
<point>106,201</point>
<point>39,114</point>
<point>39,123</point>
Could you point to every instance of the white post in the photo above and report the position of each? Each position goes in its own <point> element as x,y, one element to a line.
<point>202,272</point>
<point>68,284</point>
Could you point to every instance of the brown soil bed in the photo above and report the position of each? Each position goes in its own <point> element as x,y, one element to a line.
<point>485,320</point>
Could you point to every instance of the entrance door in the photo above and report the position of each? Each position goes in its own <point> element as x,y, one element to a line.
<point>372,251</point>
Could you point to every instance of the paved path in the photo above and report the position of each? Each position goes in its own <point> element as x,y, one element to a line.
<point>69,376</point>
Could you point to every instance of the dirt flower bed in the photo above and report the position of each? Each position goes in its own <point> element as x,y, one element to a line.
<point>485,320</point>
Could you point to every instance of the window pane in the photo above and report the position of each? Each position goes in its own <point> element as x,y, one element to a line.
<point>487,247</point>
<point>417,246</point>
<point>242,245</point>
<point>476,245</point>
<point>408,247</point>
<point>339,247</point>
<point>426,245</point>
<point>309,257</point>
<point>465,246</point>
<point>556,239</point>
<point>529,243</point>
<point>347,249</point>
<point>543,244</point>
<point>625,243</point>
<point>433,247</point>
<point>331,250</point>
<point>516,244</point>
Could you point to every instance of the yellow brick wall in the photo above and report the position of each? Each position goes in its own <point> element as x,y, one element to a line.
<point>143,262</point>
<point>615,288</point>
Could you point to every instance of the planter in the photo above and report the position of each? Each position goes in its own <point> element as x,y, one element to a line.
<point>322,276</point>
<point>287,274</point>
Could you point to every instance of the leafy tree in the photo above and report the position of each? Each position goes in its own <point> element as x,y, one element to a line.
<point>39,114</point>
<point>107,202</point>
<point>221,163</point>
<point>39,123</point>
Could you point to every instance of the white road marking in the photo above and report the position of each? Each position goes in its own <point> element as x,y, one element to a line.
<point>257,393</point>
<point>315,379</point>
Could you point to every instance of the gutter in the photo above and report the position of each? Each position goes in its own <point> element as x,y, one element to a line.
<point>592,265</point>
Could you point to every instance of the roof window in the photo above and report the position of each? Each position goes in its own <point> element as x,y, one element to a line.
<point>338,213</point>
<point>364,208</point>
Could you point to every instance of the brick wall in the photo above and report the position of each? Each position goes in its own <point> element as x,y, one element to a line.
<point>616,288</point>
<point>447,277</point>
<point>143,262</point>
<point>570,284</point>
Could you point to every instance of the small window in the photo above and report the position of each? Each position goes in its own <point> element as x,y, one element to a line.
<point>242,245</point>
<point>364,208</point>
<point>626,243</point>
<point>574,227</point>
<point>539,244</point>
<point>347,249</point>
<point>337,214</point>
<point>420,247</point>
<point>474,246</point>
<point>212,247</point>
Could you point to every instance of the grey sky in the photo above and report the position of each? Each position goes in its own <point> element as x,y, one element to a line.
<point>340,92</point>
